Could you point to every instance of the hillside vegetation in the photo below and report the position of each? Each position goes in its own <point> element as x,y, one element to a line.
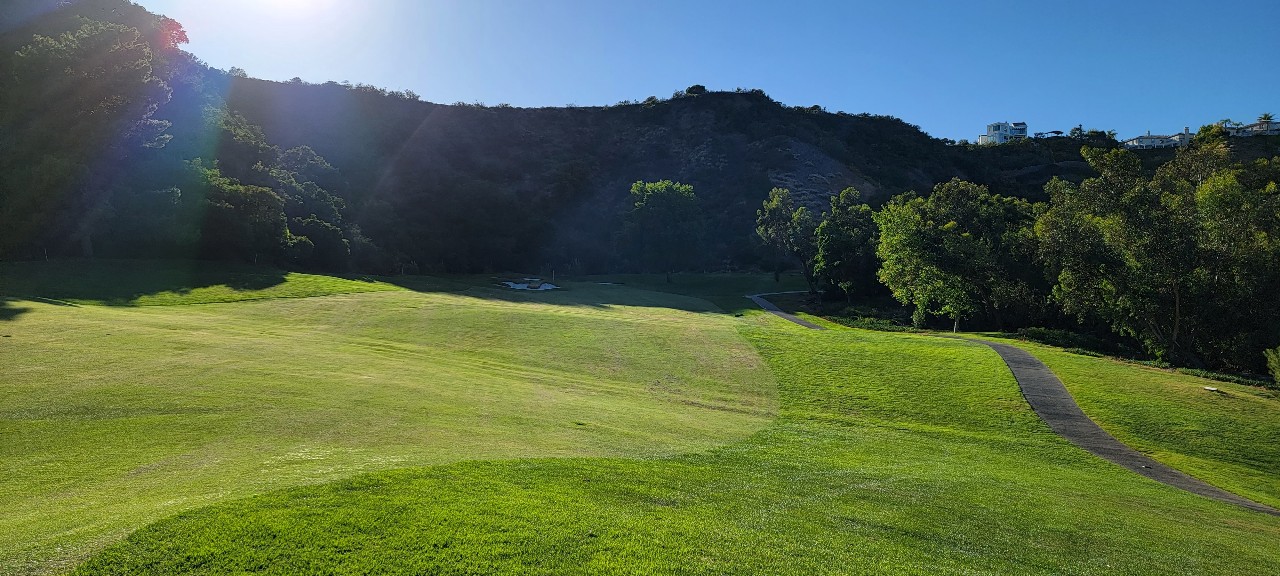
<point>181,160</point>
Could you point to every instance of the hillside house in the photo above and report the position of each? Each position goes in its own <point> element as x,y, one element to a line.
<point>1150,141</point>
<point>1001,132</point>
<point>1255,129</point>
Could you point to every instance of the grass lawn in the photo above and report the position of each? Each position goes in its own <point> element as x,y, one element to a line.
<point>117,416</point>
<point>891,453</point>
<point>1229,438</point>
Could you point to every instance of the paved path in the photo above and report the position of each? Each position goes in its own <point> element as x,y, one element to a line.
<point>768,306</point>
<point>1054,404</point>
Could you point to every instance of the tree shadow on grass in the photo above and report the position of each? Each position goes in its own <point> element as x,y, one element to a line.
<point>123,282</point>
<point>10,312</point>
<point>127,282</point>
<point>698,293</point>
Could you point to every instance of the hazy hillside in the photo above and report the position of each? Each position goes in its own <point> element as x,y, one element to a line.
<point>398,184</point>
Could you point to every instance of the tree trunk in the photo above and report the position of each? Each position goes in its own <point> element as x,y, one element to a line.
<point>956,327</point>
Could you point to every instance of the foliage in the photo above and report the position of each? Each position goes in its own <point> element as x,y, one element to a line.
<point>845,245</point>
<point>1273,362</point>
<point>960,252</point>
<point>662,225</point>
<point>1182,261</point>
<point>78,104</point>
<point>789,229</point>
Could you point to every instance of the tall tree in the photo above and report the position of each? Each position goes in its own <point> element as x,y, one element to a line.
<point>663,225</point>
<point>1184,262</point>
<point>789,230</point>
<point>960,252</point>
<point>846,243</point>
<point>82,100</point>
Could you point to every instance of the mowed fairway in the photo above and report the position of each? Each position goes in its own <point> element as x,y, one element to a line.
<point>892,454</point>
<point>114,417</point>
<point>598,430</point>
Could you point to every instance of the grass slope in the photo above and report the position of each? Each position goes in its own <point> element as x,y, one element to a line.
<point>114,417</point>
<point>893,453</point>
<point>1228,438</point>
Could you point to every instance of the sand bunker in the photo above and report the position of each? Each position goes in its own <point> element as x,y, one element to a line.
<point>530,284</point>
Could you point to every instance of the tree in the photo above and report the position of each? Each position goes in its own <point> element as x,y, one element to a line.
<point>789,230</point>
<point>663,225</point>
<point>1184,262</point>
<point>238,221</point>
<point>846,243</point>
<point>1266,119</point>
<point>1273,363</point>
<point>84,100</point>
<point>959,252</point>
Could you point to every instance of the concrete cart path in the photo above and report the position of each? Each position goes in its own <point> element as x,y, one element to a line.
<point>1054,404</point>
<point>769,307</point>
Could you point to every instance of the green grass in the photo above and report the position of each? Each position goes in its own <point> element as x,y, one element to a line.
<point>598,429</point>
<point>115,417</point>
<point>892,453</point>
<point>1228,438</point>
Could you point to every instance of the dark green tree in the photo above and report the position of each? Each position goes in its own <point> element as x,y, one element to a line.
<point>789,230</point>
<point>663,225</point>
<point>846,245</point>
<point>1184,262</point>
<point>81,101</point>
<point>960,252</point>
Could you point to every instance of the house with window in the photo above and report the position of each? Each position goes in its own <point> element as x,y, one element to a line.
<point>1001,132</point>
<point>1255,129</point>
<point>1150,140</point>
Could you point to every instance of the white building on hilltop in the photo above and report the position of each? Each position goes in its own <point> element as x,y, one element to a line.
<point>1255,129</point>
<point>1150,141</point>
<point>1001,132</point>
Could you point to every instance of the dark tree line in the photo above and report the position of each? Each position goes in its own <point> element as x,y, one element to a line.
<point>1183,260</point>
<point>117,143</point>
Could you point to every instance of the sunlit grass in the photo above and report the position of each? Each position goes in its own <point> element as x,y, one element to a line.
<point>114,417</point>
<point>893,453</point>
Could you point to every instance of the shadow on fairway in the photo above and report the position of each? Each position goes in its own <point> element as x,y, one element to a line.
<point>9,312</point>
<point>702,293</point>
<point>122,282</point>
<point>126,282</point>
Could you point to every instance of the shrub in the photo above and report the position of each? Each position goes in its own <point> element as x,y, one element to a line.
<point>1071,340</point>
<point>1273,362</point>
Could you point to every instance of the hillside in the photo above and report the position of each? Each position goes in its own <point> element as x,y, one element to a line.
<point>179,160</point>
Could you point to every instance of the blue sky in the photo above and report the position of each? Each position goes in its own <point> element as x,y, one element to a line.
<point>949,67</point>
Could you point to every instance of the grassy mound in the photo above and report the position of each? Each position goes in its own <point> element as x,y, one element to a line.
<point>115,417</point>
<point>893,454</point>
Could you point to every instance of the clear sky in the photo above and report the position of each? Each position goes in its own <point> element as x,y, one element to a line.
<point>950,67</point>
